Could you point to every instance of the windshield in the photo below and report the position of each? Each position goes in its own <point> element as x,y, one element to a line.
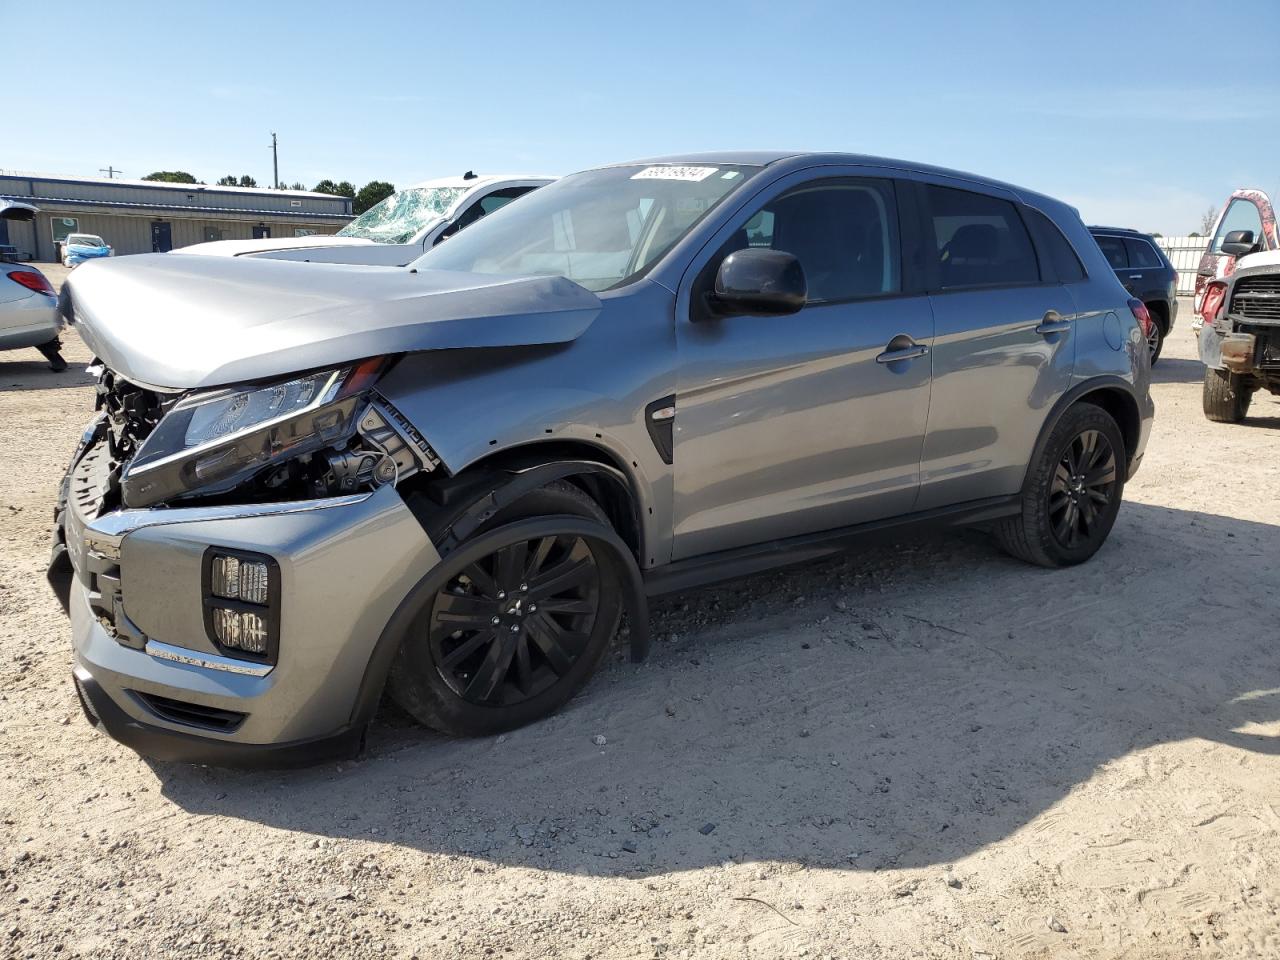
<point>85,240</point>
<point>600,229</point>
<point>400,216</point>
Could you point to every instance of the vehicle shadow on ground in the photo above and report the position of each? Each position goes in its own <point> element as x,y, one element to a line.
<point>1174,370</point>
<point>902,708</point>
<point>19,373</point>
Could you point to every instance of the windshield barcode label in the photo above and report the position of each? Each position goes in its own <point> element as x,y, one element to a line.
<point>692,174</point>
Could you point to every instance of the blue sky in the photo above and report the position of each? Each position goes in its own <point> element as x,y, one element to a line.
<point>1141,114</point>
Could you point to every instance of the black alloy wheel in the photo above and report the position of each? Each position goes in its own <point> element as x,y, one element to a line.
<point>1072,492</point>
<point>520,623</point>
<point>514,623</point>
<point>1082,489</point>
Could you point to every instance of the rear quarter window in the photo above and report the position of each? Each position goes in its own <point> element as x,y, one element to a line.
<point>1055,248</point>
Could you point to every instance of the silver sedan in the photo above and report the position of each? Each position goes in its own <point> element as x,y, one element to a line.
<point>29,313</point>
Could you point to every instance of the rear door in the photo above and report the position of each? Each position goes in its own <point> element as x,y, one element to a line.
<point>1003,349</point>
<point>791,425</point>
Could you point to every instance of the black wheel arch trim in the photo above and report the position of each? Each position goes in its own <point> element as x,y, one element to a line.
<point>464,502</point>
<point>1073,396</point>
<point>614,551</point>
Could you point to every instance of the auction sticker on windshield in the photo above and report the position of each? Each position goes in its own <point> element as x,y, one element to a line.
<point>692,174</point>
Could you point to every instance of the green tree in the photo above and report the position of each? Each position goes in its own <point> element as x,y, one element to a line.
<point>228,181</point>
<point>248,181</point>
<point>372,192</point>
<point>171,176</point>
<point>343,189</point>
<point>297,185</point>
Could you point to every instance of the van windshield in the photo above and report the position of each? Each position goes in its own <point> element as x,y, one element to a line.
<point>400,216</point>
<point>601,228</point>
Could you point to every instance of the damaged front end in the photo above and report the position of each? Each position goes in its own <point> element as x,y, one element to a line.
<point>325,433</point>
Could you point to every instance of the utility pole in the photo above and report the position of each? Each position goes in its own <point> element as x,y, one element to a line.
<point>275,163</point>
<point>109,170</point>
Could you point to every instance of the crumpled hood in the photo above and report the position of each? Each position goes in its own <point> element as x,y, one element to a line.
<point>239,248</point>
<point>194,322</point>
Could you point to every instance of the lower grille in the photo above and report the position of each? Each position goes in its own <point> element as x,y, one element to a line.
<point>191,714</point>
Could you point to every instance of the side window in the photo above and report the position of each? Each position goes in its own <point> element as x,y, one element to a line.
<point>843,232</point>
<point>1241,215</point>
<point>1141,255</point>
<point>1055,247</point>
<point>981,240</point>
<point>485,206</point>
<point>1113,250</point>
<point>500,198</point>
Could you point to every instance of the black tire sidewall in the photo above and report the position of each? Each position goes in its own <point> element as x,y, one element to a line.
<point>1035,521</point>
<point>415,683</point>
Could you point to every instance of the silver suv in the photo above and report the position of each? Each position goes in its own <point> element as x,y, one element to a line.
<point>307,484</point>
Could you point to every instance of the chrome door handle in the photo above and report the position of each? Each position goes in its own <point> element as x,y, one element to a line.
<point>1053,322</point>
<point>910,352</point>
<point>1135,276</point>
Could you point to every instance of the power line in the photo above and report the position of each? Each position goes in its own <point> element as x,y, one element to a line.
<point>110,171</point>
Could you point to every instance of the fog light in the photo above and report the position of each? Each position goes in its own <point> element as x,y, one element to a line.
<point>241,630</point>
<point>242,601</point>
<point>234,579</point>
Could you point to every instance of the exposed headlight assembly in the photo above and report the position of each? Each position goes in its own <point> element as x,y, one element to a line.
<point>212,441</point>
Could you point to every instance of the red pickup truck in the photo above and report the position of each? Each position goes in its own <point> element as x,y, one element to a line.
<point>1244,210</point>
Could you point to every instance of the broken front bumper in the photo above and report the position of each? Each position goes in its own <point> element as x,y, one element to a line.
<point>146,668</point>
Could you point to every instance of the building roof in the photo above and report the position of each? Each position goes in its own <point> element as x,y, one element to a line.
<point>187,207</point>
<point>163,184</point>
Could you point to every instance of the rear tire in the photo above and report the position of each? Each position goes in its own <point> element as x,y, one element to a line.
<point>1155,342</point>
<point>1226,398</point>
<point>483,678</point>
<point>1072,492</point>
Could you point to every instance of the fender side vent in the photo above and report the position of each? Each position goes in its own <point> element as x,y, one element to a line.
<point>660,421</point>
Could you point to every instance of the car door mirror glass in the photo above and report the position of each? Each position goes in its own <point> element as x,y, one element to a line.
<point>761,283</point>
<point>1238,243</point>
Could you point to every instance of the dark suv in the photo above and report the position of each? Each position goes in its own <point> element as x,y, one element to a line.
<point>1146,273</point>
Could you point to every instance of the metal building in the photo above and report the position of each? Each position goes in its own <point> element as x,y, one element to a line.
<point>139,216</point>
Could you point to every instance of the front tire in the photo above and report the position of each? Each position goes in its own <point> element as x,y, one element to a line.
<point>1226,398</point>
<point>1072,492</point>
<point>512,637</point>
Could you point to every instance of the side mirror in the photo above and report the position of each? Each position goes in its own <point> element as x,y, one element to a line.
<point>1238,243</point>
<point>760,283</point>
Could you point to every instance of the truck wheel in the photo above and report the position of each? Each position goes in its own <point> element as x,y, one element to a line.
<point>1226,398</point>
<point>512,636</point>
<point>1072,492</point>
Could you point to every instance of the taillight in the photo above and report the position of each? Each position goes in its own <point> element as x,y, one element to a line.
<point>1143,316</point>
<point>1215,294</point>
<point>32,281</point>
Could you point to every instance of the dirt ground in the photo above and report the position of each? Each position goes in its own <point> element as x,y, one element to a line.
<point>924,750</point>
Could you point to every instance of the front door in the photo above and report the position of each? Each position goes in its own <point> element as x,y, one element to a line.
<point>161,237</point>
<point>261,232</point>
<point>791,425</point>
<point>1003,350</point>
